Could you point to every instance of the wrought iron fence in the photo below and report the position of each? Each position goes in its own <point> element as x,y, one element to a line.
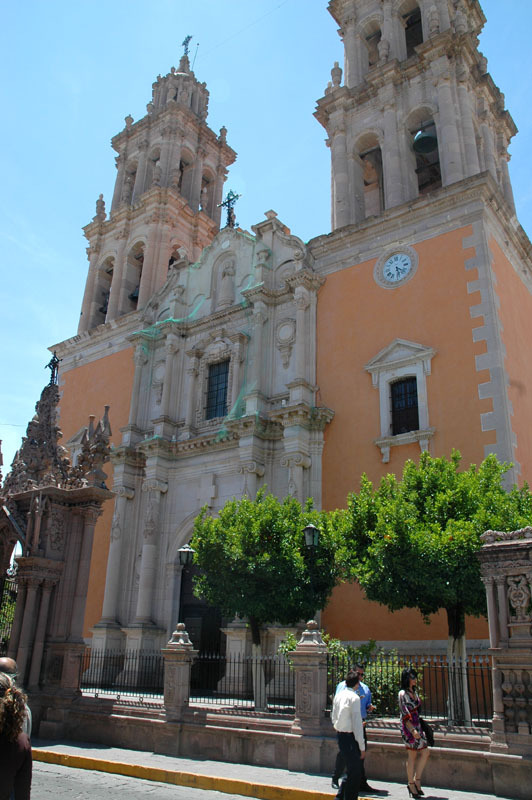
<point>459,692</point>
<point>8,601</point>
<point>122,673</point>
<point>243,681</point>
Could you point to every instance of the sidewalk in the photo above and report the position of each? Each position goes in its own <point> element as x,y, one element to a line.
<point>256,782</point>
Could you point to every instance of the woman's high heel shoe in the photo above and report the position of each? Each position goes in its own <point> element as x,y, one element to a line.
<point>411,793</point>
<point>419,790</point>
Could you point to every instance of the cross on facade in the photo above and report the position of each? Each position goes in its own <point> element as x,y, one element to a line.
<point>185,43</point>
<point>229,204</point>
<point>53,366</point>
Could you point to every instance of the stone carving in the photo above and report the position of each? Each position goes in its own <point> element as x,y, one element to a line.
<point>227,286</point>
<point>519,597</point>
<point>285,337</point>
<point>489,537</point>
<point>56,535</point>
<point>384,50</point>
<point>336,75</point>
<point>100,209</point>
<point>434,21</point>
<point>304,694</point>
<point>311,637</point>
<point>127,191</point>
<point>116,530</point>
<point>180,637</point>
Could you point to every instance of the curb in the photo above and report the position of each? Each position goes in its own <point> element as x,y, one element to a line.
<point>261,791</point>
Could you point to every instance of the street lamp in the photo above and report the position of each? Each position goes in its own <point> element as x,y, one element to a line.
<point>186,555</point>
<point>312,536</point>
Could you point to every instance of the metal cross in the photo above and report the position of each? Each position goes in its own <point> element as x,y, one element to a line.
<point>185,43</point>
<point>53,366</point>
<point>229,203</point>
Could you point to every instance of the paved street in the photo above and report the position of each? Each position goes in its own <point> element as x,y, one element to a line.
<point>51,781</point>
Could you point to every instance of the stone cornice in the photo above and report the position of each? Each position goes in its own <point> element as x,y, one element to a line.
<point>418,219</point>
<point>306,278</point>
<point>266,429</point>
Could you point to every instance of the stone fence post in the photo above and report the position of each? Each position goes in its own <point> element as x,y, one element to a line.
<point>310,666</point>
<point>506,570</point>
<point>178,655</point>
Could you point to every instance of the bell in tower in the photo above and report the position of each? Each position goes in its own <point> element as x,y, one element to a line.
<point>416,99</point>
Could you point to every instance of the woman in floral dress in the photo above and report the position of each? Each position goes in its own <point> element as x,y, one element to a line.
<point>412,733</point>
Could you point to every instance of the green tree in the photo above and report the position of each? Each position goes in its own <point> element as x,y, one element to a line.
<point>254,562</point>
<point>415,539</point>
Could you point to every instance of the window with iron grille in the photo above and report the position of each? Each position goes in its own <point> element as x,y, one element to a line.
<point>216,405</point>
<point>405,415</point>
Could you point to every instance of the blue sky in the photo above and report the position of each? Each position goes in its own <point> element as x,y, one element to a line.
<point>73,70</point>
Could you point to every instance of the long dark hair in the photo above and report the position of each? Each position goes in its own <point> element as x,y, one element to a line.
<point>406,676</point>
<point>12,708</point>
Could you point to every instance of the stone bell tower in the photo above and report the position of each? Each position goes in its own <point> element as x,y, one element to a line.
<point>171,171</point>
<point>417,109</point>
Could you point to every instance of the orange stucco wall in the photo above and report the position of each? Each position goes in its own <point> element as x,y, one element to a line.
<point>356,319</point>
<point>515,314</point>
<point>86,390</point>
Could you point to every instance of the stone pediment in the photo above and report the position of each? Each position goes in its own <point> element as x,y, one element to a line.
<point>400,353</point>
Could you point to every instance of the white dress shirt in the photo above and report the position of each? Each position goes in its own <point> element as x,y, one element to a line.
<point>346,716</point>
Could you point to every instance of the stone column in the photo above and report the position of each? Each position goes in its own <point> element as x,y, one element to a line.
<point>174,160</point>
<point>17,622</point>
<point>90,517</point>
<point>358,199</point>
<point>150,260</point>
<point>171,348</point>
<point>28,625</point>
<point>472,164</point>
<point>178,655</point>
<point>340,174</point>
<point>192,374</point>
<point>114,560</point>
<point>502,602</point>
<point>235,385</point>
<point>120,162</point>
<point>449,140</point>
<point>504,158</point>
<point>166,149</point>
<point>394,193</point>
<point>253,402</point>
<point>140,359</point>
<point>160,275</point>
<point>113,309</point>
<point>221,173</point>
<point>489,584</point>
<point>302,302</point>
<point>309,661</point>
<point>489,150</point>
<point>195,194</point>
<point>352,74</point>
<point>296,463</point>
<point>40,632</point>
<point>139,186</point>
<point>86,319</point>
<point>148,563</point>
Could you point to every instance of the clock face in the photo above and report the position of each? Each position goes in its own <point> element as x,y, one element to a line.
<point>397,267</point>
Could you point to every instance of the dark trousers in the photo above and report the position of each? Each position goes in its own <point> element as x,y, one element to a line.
<point>350,750</point>
<point>340,765</point>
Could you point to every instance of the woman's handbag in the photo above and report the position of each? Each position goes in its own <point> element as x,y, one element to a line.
<point>427,730</point>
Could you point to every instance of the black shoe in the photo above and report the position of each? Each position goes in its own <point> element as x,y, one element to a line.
<point>365,787</point>
<point>334,783</point>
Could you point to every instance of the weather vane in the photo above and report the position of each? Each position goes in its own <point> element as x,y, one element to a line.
<point>185,43</point>
<point>229,204</point>
<point>53,366</point>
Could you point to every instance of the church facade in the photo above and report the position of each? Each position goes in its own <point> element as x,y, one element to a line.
<point>233,360</point>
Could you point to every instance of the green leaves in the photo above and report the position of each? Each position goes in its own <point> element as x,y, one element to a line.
<point>255,564</point>
<point>415,540</point>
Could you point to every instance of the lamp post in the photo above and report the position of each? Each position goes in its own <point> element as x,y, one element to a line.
<point>312,538</point>
<point>186,555</point>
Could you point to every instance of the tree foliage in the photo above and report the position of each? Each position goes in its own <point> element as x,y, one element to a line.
<point>415,539</point>
<point>254,562</point>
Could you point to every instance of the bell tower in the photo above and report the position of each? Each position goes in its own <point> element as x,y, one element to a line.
<point>417,109</point>
<point>171,168</point>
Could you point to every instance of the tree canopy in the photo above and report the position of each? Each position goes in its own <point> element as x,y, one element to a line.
<point>254,562</point>
<point>414,540</point>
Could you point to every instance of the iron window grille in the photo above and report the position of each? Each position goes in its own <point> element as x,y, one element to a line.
<point>405,416</point>
<point>217,383</point>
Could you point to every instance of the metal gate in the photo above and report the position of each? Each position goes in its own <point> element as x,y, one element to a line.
<point>8,601</point>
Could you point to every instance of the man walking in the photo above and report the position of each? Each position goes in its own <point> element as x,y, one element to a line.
<point>347,722</point>
<point>366,707</point>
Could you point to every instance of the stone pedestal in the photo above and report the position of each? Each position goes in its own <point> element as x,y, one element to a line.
<point>506,568</point>
<point>179,654</point>
<point>310,665</point>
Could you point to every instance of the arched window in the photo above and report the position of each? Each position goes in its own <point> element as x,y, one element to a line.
<point>404,406</point>
<point>411,16</point>
<point>135,261</point>
<point>425,146</point>
<point>373,184</point>
<point>217,382</point>
<point>105,277</point>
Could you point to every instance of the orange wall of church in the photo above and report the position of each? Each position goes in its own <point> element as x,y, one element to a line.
<point>515,314</point>
<point>86,390</point>
<point>356,319</point>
